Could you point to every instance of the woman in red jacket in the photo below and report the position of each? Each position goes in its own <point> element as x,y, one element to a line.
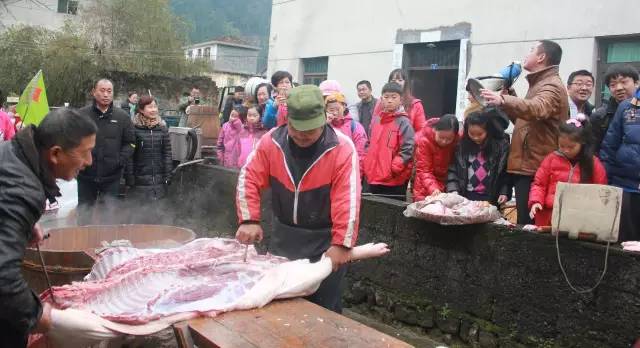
<point>435,147</point>
<point>573,162</point>
<point>412,105</point>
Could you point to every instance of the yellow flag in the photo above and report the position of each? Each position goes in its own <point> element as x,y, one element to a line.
<point>33,105</point>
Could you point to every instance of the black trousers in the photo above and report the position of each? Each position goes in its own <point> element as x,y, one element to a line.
<point>630,217</point>
<point>11,337</point>
<point>522,185</point>
<point>329,294</point>
<point>397,192</point>
<point>101,196</point>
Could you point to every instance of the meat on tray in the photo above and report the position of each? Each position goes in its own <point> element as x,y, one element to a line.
<point>452,209</point>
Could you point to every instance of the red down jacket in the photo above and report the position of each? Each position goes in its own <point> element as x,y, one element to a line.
<point>432,162</point>
<point>553,169</point>
<point>388,160</point>
<point>324,203</point>
<point>415,114</point>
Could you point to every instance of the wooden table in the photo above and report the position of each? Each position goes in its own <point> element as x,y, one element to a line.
<point>288,323</point>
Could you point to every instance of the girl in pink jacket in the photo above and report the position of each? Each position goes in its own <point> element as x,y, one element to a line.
<point>250,134</point>
<point>229,138</point>
<point>7,130</point>
<point>339,118</point>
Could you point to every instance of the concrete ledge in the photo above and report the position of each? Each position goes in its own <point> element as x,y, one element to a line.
<point>479,284</point>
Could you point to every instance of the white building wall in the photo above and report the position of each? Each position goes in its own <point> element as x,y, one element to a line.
<point>359,35</point>
<point>43,13</point>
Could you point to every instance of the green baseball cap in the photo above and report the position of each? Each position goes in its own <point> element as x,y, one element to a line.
<point>305,108</point>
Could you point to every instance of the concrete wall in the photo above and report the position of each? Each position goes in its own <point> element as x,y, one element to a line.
<point>466,285</point>
<point>359,36</point>
<point>236,60</point>
<point>222,79</point>
<point>42,13</point>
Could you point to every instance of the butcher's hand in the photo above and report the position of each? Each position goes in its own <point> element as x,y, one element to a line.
<point>339,255</point>
<point>38,235</point>
<point>249,233</point>
<point>44,325</point>
<point>534,210</point>
<point>502,199</point>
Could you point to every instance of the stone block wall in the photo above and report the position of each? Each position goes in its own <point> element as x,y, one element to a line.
<point>479,285</point>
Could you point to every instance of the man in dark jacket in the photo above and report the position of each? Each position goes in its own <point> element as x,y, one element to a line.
<point>233,102</point>
<point>59,148</point>
<point>364,108</point>
<point>620,155</point>
<point>622,81</point>
<point>115,143</point>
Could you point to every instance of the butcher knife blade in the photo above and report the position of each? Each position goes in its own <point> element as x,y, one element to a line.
<point>246,250</point>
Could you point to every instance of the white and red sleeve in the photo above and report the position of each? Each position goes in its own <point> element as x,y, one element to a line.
<point>345,197</point>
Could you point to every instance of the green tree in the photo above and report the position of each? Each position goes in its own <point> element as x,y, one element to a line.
<point>22,56</point>
<point>143,37</point>
<point>62,56</point>
<point>69,66</point>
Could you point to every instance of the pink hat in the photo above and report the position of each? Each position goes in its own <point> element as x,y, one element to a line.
<point>329,87</point>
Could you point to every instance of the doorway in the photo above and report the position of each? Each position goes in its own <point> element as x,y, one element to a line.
<point>433,74</point>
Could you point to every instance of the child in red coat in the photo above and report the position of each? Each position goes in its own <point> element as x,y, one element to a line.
<point>389,159</point>
<point>435,147</point>
<point>573,162</point>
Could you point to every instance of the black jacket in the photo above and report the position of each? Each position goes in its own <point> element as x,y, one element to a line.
<point>125,106</point>
<point>151,164</point>
<point>114,144</point>
<point>458,176</point>
<point>600,120</point>
<point>365,113</point>
<point>588,109</point>
<point>25,183</point>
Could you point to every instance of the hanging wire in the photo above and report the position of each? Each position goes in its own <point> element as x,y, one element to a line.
<point>606,256</point>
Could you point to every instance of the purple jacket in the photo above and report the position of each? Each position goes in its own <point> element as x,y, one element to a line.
<point>249,137</point>
<point>229,144</point>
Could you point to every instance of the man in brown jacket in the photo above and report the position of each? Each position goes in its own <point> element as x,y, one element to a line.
<point>537,118</point>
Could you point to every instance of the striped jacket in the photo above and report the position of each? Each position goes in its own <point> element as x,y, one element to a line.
<point>313,212</point>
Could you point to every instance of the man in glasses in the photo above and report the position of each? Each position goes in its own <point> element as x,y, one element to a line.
<point>580,88</point>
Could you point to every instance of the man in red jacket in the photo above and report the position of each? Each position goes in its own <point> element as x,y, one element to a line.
<point>314,176</point>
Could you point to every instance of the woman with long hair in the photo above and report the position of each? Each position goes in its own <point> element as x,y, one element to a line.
<point>412,105</point>
<point>478,170</point>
